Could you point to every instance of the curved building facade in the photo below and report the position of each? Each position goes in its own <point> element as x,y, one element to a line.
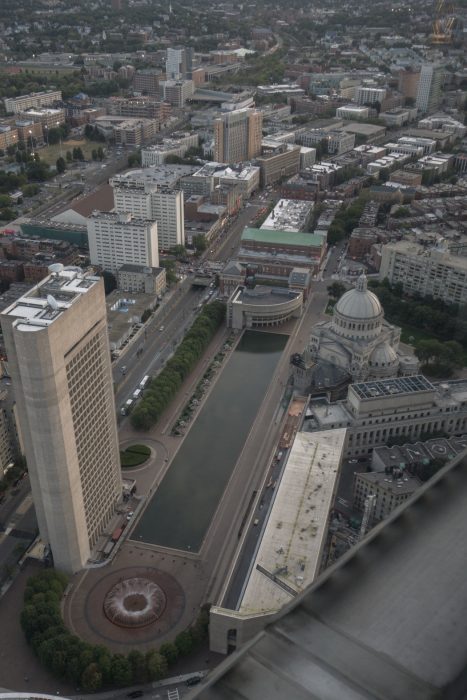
<point>262,306</point>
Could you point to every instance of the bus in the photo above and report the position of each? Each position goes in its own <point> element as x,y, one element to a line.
<point>144,382</point>
<point>136,394</point>
<point>126,408</point>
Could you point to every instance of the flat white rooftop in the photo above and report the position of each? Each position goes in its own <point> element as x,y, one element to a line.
<point>289,555</point>
<point>45,302</point>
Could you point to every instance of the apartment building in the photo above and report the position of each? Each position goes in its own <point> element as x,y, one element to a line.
<point>179,62</point>
<point>119,238</point>
<point>428,271</point>
<point>58,357</point>
<point>154,203</point>
<point>32,101</point>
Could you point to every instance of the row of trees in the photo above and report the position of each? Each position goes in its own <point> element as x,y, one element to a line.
<point>92,666</point>
<point>163,388</point>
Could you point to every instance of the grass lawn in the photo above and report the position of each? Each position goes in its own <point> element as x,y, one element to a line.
<point>51,153</point>
<point>134,456</point>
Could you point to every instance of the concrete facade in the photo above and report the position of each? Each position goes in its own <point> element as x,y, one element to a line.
<point>262,306</point>
<point>116,239</point>
<point>59,361</point>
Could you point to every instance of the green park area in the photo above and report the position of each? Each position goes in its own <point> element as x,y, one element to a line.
<point>134,455</point>
<point>50,153</point>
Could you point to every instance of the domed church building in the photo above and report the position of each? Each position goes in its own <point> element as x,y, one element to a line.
<point>357,344</point>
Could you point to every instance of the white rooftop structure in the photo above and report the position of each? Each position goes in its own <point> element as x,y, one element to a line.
<point>292,543</point>
<point>44,303</point>
<point>289,215</point>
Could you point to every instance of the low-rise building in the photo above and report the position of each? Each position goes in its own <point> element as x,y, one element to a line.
<point>177,145</point>
<point>289,215</point>
<point>139,278</point>
<point>262,306</point>
<point>388,490</point>
<point>352,112</point>
<point>404,408</point>
<point>398,117</point>
<point>277,163</point>
<point>365,133</point>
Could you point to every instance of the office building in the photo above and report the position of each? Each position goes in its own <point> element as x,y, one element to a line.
<point>58,357</point>
<point>369,95</point>
<point>337,141</point>
<point>426,271</point>
<point>116,239</point>
<point>179,63</point>
<point>237,136</point>
<point>429,87</point>
<point>177,145</point>
<point>146,82</point>
<point>378,412</point>
<point>177,92</point>
<point>388,489</point>
<point>279,160</point>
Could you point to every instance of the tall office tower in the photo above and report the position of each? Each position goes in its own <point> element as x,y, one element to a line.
<point>237,135</point>
<point>58,356</point>
<point>429,87</point>
<point>179,63</point>
<point>153,202</point>
<point>117,239</point>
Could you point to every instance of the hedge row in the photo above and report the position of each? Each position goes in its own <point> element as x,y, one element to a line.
<point>91,666</point>
<point>163,388</point>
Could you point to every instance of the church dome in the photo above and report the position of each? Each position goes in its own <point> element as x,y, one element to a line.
<point>359,303</point>
<point>383,356</point>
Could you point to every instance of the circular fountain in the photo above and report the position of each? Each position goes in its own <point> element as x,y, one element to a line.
<point>134,602</point>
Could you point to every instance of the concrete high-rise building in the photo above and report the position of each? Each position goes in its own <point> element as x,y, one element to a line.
<point>179,63</point>
<point>238,135</point>
<point>58,357</point>
<point>429,87</point>
<point>177,92</point>
<point>116,239</point>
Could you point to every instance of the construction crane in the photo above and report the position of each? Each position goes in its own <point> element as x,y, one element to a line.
<point>443,24</point>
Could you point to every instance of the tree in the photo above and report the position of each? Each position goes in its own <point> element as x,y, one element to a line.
<point>199,243</point>
<point>69,157</point>
<point>156,666</point>
<point>94,154</point>
<point>91,680</point>
<point>100,153</point>
<point>61,165</point>
<point>170,652</point>
<point>137,661</point>
<point>336,290</point>
<point>184,642</point>
<point>179,251</point>
<point>120,671</point>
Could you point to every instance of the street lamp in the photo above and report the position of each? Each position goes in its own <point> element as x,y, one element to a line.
<point>32,143</point>
<point>46,133</point>
<point>60,133</point>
